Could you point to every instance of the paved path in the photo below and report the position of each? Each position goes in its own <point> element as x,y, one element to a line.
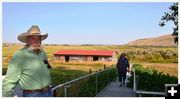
<point>113,90</point>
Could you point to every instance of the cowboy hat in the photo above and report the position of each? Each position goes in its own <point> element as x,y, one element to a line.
<point>34,30</point>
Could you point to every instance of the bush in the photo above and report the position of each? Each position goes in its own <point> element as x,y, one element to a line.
<point>150,79</point>
<point>153,55</point>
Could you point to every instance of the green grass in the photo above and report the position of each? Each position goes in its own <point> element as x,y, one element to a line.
<point>60,75</point>
<point>86,87</point>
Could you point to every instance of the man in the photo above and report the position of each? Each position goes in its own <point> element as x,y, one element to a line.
<point>122,67</point>
<point>29,67</point>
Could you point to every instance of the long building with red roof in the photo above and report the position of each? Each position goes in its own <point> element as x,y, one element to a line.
<point>84,55</point>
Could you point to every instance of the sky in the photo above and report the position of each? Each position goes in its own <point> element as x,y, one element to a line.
<point>85,23</point>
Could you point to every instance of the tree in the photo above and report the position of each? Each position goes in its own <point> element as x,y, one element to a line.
<point>172,15</point>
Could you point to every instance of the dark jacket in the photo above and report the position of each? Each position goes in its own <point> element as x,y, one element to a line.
<point>122,65</point>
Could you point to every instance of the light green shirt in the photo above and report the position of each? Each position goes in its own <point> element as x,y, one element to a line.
<point>28,69</point>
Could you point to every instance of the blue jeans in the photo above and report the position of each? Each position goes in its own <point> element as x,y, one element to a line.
<point>122,76</point>
<point>38,94</point>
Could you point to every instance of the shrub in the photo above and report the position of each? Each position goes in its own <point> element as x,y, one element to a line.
<point>150,79</point>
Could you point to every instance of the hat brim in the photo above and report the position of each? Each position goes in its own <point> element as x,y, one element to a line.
<point>22,37</point>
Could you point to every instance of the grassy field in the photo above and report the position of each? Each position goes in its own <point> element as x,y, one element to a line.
<point>166,68</point>
<point>135,53</point>
<point>163,59</point>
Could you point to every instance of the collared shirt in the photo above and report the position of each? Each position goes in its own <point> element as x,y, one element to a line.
<point>28,69</point>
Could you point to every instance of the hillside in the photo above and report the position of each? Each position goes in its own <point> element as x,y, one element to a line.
<point>165,40</point>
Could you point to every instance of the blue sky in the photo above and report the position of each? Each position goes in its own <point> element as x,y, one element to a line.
<point>86,23</point>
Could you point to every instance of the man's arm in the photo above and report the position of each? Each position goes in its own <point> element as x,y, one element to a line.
<point>12,77</point>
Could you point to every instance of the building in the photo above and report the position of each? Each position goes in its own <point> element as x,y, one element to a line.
<point>84,55</point>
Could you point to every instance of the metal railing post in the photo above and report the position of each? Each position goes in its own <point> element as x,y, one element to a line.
<point>134,87</point>
<point>54,93</point>
<point>65,91</point>
<point>137,77</point>
<point>134,84</point>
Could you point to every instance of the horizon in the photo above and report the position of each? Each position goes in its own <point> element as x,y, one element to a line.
<point>86,23</point>
<point>20,43</point>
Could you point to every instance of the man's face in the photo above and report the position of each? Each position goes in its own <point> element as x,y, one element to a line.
<point>34,42</point>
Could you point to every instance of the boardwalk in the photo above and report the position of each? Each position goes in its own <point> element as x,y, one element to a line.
<point>113,90</point>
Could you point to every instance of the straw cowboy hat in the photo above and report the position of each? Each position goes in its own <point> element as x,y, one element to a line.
<point>34,30</point>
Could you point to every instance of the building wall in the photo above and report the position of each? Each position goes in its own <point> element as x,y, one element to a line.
<point>82,58</point>
<point>78,58</point>
<point>59,58</point>
<point>105,58</point>
<point>62,58</point>
<point>89,58</point>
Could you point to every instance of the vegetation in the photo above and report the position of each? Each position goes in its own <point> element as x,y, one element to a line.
<point>166,68</point>
<point>87,87</point>
<point>153,55</point>
<point>148,55</point>
<point>61,75</point>
<point>150,79</point>
<point>172,15</point>
<point>163,59</point>
<point>135,53</point>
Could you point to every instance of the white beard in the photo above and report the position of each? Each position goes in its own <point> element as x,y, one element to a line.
<point>35,47</point>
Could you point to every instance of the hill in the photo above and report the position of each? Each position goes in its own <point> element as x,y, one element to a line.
<point>165,40</point>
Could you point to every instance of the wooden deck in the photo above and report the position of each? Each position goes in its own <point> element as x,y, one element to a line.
<point>113,90</point>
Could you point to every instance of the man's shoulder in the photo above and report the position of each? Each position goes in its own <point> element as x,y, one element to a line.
<point>19,52</point>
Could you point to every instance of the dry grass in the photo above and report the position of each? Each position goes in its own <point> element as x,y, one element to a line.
<point>84,68</point>
<point>169,68</point>
<point>166,68</point>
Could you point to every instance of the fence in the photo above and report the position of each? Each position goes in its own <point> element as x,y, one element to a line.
<point>141,92</point>
<point>89,85</point>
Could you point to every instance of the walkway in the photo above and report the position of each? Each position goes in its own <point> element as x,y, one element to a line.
<point>113,90</point>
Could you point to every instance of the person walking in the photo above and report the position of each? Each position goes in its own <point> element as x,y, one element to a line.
<point>123,67</point>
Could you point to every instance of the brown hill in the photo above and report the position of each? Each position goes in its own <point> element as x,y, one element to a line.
<point>165,40</point>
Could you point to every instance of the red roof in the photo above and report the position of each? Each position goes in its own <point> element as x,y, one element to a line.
<point>85,52</point>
